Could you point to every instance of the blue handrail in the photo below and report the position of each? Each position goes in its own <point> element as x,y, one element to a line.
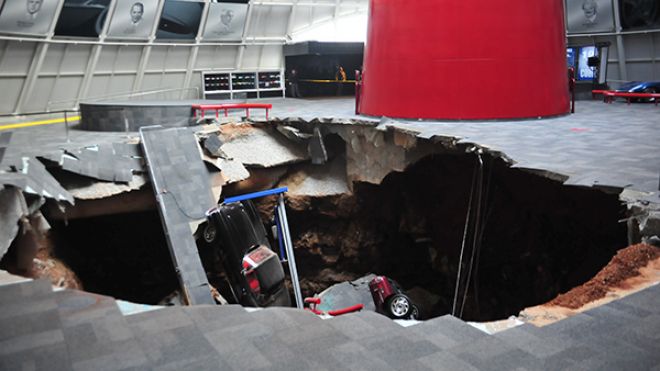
<point>254,195</point>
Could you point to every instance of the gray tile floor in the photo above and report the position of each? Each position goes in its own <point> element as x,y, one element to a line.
<point>66,330</point>
<point>602,144</point>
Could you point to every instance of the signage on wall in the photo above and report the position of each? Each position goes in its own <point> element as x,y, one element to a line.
<point>584,71</point>
<point>133,19</point>
<point>180,20</point>
<point>28,17</point>
<point>225,22</point>
<point>588,16</point>
<point>82,18</point>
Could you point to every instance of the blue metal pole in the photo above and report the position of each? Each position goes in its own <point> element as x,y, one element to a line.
<point>254,195</point>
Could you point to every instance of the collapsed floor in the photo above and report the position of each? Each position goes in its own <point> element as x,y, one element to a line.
<point>536,239</point>
<point>402,212</point>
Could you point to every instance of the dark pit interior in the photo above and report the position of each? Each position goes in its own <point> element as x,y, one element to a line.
<point>535,237</point>
<point>529,238</point>
<point>124,256</point>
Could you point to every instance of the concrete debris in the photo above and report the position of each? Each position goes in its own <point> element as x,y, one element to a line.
<point>109,162</point>
<point>346,294</point>
<point>318,181</point>
<point>262,147</point>
<point>122,203</point>
<point>232,171</point>
<point>32,177</point>
<point>13,209</point>
<point>213,144</point>
<point>293,133</point>
<point>183,192</point>
<point>649,224</point>
<point>260,179</point>
<point>316,148</point>
<point>5,138</point>
<point>83,188</point>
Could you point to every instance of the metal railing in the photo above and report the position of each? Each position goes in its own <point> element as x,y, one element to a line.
<point>182,94</point>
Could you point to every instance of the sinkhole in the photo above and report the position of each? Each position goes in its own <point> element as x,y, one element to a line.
<point>463,233</point>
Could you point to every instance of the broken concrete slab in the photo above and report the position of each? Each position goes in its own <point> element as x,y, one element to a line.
<point>318,181</point>
<point>13,209</point>
<point>31,176</point>
<point>293,133</point>
<point>84,188</point>
<point>261,147</point>
<point>5,138</point>
<point>316,148</point>
<point>114,162</point>
<point>183,193</point>
<point>346,294</point>
<point>213,144</point>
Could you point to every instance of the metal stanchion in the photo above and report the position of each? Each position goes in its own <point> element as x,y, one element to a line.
<point>288,245</point>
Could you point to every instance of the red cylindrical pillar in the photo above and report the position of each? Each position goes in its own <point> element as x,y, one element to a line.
<point>465,59</point>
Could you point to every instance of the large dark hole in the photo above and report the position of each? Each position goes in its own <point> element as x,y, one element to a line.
<point>535,238</point>
<point>124,256</point>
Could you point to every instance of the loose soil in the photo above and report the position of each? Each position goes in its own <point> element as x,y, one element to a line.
<point>625,264</point>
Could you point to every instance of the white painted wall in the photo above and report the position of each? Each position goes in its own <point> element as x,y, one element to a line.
<point>69,66</point>
<point>40,74</point>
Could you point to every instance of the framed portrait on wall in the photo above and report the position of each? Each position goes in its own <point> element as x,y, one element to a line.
<point>225,22</point>
<point>589,16</point>
<point>133,19</point>
<point>28,17</point>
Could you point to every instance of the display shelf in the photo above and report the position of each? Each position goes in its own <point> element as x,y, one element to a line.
<point>229,83</point>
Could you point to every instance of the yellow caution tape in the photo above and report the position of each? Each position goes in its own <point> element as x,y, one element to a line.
<point>331,81</point>
<point>37,123</point>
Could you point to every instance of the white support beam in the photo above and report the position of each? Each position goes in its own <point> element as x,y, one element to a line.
<point>241,49</point>
<point>94,57</point>
<point>194,51</point>
<point>58,74</point>
<point>35,65</point>
<point>620,47</point>
<point>146,53</point>
<point>291,20</point>
<point>33,74</point>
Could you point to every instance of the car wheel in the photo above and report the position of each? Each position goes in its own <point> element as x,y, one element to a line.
<point>398,306</point>
<point>651,91</point>
<point>209,233</point>
<point>414,314</point>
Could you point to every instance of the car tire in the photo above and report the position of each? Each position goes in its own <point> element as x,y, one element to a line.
<point>398,306</point>
<point>210,233</point>
<point>651,91</point>
<point>414,314</point>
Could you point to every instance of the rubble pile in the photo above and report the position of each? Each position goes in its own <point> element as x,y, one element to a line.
<point>624,265</point>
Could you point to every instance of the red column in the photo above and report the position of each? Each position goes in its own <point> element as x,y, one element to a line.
<point>465,59</point>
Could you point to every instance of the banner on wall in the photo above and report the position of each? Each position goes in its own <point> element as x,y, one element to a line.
<point>584,72</point>
<point>180,20</point>
<point>225,22</point>
<point>28,17</point>
<point>82,18</point>
<point>588,16</point>
<point>133,19</point>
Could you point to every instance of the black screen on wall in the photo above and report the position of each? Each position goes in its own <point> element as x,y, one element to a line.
<point>639,14</point>
<point>180,20</point>
<point>82,18</point>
